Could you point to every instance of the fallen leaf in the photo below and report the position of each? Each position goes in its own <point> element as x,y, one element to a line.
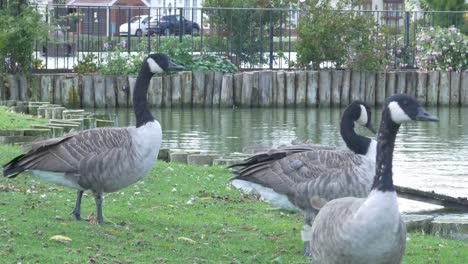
<point>61,239</point>
<point>186,239</point>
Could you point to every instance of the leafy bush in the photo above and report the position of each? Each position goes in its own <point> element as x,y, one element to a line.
<point>442,49</point>
<point>119,62</point>
<point>87,64</point>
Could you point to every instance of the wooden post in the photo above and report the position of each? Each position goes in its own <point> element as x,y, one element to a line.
<point>380,89</point>
<point>23,86</point>
<point>198,91</point>
<point>290,99</point>
<point>312,88</point>
<point>411,82</point>
<point>345,88</point>
<point>34,89</point>
<point>209,82</point>
<point>444,88</point>
<point>13,89</point>
<point>122,91</point>
<point>421,87</point>
<point>391,83</point>
<point>433,88</point>
<point>87,91</point>
<point>187,88</point>
<point>464,89</point>
<point>324,88</point>
<point>280,91</point>
<point>274,88</point>
<point>255,89</point>
<point>167,91</point>
<point>237,82</point>
<point>301,88</point>
<point>99,91</point>
<point>217,82</point>
<point>110,92</point>
<point>58,89</point>
<point>370,88</point>
<point>176,95</point>
<point>247,87</point>
<point>362,86</point>
<point>155,91</point>
<point>265,86</point>
<point>47,88</point>
<point>70,94</point>
<point>227,99</point>
<point>336,86</point>
<point>355,86</point>
<point>455,78</point>
<point>401,83</point>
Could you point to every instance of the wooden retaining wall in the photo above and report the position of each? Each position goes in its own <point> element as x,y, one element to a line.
<point>248,89</point>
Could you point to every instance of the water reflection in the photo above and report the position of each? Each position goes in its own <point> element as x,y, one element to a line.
<point>429,156</point>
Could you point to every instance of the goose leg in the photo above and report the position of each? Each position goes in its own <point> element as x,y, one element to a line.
<point>98,200</point>
<point>77,211</point>
<point>307,234</point>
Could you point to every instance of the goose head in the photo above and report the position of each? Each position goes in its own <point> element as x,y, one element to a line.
<point>160,63</point>
<point>404,108</point>
<point>361,114</point>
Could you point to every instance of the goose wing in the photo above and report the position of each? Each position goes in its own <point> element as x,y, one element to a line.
<point>66,153</point>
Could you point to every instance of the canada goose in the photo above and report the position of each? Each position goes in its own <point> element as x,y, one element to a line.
<point>369,230</point>
<point>303,178</point>
<point>103,159</point>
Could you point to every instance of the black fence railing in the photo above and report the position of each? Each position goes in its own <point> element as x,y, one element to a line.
<point>250,38</point>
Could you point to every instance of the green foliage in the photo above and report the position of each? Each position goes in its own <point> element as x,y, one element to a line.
<point>20,29</point>
<point>459,20</point>
<point>9,120</point>
<point>344,38</point>
<point>181,53</point>
<point>442,49</point>
<point>87,64</point>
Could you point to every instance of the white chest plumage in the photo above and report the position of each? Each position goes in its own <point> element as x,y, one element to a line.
<point>147,141</point>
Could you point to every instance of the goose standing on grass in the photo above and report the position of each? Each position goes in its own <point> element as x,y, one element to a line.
<point>304,177</point>
<point>103,159</point>
<point>369,230</point>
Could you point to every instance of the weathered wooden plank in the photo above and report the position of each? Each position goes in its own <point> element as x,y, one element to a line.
<point>370,88</point>
<point>444,88</point>
<point>345,88</point>
<point>391,84</point>
<point>227,91</point>
<point>122,91</point>
<point>209,86</point>
<point>255,89</point>
<point>265,86</point>
<point>290,98</point>
<point>34,88</point>
<point>237,89</point>
<point>58,89</point>
<point>23,87</point>
<point>464,89</point>
<point>401,82</point>
<point>176,95</point>
<point>411,82</point>
<point>312,88</point>
<point>167,91</point>
<point>324,88</point>
<point>355,91</point>
<point>217,82</point>
<point>274,88</point>
<point>111,98</point>
<point>380,88</point>
<point>70,93</point>
<point>13,88</point>
<point>247,87</point>
<point>2,89</point>
<point>421,87</point>
<point>362,88</point>
<point>336,86</point>
<point>99,91</point>
<point>47,88</point>
<point>432,197</point>
<point>155,91</point>
<point>301,88</point>
<point>187,88</point>
<point>87,91</point>
<point>455,81</point>
<point>280,91</point>
<point>433,88</point>
<point>198,91</point>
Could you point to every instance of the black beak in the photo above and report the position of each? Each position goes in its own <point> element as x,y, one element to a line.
<point>370,127</point>
<point>174,67</point>
<point>425,116</point>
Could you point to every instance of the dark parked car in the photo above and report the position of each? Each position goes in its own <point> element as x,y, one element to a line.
<point>172,24</point>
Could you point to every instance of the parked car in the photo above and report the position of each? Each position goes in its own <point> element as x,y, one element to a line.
<point>138,25</point>
<point>169,25</point>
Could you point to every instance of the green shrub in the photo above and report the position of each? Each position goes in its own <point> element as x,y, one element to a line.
<point>87,64</point>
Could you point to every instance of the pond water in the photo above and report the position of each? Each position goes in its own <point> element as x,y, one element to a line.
<point>428,155</point>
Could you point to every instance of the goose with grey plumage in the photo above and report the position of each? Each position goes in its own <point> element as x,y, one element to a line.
<point>101,160</point>
<point>303,178</point>
<point>369,230</point>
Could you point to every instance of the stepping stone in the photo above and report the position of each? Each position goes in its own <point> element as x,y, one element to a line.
<point>452,228</point>
<point>418,222</point>
<point>163,154</point>
<point>227,161</point>
<point>201,159</point>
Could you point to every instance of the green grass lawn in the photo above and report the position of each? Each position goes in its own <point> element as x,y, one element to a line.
<point>177,214</point>
<point>10,120</point>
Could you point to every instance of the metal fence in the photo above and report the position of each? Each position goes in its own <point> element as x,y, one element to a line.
<point>250,38</point>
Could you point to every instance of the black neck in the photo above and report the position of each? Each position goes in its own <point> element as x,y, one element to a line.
<point>140,101</point>
<point>356,143</point>
<point>386,143</point>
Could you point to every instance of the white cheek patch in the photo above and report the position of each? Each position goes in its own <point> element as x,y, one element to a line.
<point>154,67</point>
<point>363,116</point>
<point>398,115</point>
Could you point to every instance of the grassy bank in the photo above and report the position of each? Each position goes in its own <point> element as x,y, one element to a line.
<point>10,120</point>
<point>177,214</point>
